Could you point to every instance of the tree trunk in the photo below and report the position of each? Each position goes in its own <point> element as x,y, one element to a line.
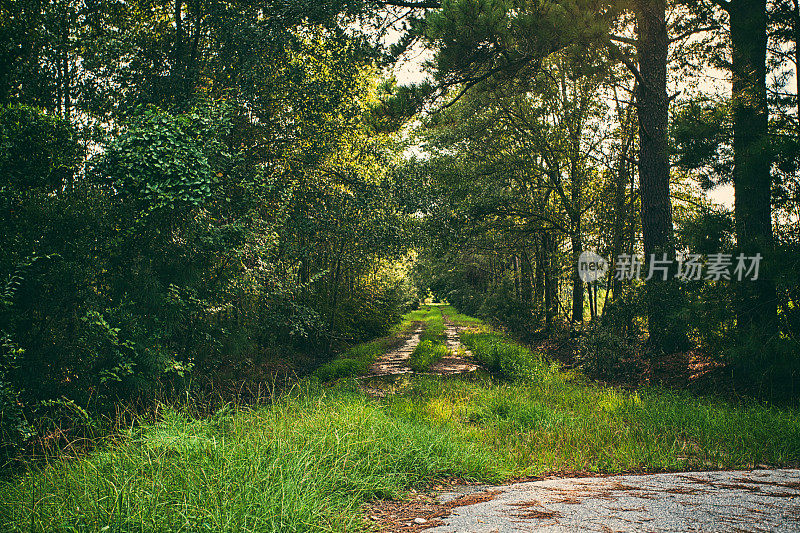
<point>577,283</point>
<point>526,288</point>
<point>549,281</point>
<point>538,284</point>
<point>797,59</point>
<point>621,180</point>
<point>756,305</point>
<point>663,297</point>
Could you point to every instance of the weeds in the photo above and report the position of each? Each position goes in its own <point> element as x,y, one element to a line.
<point>426,354</point>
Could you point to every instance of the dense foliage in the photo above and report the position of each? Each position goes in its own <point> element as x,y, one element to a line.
<point>227,219</point>
<point>202,196</point>
<point>555,137</point>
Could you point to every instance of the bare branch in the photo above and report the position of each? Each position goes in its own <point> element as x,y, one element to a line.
<point>621,39</point>
<point>616,52</point>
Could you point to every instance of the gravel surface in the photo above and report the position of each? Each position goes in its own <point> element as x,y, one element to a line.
<point>757,500</point>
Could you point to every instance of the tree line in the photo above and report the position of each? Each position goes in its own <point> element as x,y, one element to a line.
<point>194,196</point>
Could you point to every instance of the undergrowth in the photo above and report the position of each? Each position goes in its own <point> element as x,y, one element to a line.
<point>309,461</point>
<point>306,463</point>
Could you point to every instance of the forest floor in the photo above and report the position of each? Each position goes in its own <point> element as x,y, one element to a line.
<point>432,439</point>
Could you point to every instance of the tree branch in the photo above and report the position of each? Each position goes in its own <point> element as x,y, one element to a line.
<point>615,51</point>
<point>621,39</point>
<point>419,4</point>
<point>693,31</point>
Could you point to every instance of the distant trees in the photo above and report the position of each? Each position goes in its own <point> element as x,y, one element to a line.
<point>504,44</point>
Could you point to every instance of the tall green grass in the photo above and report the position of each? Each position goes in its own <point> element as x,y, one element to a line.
<point>560,425</point>
<point>508,359</point>
<point>433,323</point>
<point>426,354</point>
<point>307,463</point>
<point>354,361</point>
<point>459,318</point>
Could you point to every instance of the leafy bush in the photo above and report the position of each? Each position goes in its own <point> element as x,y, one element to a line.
<point>37,150</point>
<point>600,352</point>
<point>767,369</point>
<point>177,249</point>
<point>499,308</point>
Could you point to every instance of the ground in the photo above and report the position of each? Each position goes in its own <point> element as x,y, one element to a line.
<point>758,500</point>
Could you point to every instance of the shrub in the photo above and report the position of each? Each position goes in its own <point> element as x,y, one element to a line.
<point>37,150</point>
<point>768,369</point>
<point>600,352</point>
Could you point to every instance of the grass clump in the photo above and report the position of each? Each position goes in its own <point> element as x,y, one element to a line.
<point>508,359</point>
<point>431,347</point>
<point>354,361</point>
<point>306,463</point>
<point>427,353</point>
<point>434,327</point>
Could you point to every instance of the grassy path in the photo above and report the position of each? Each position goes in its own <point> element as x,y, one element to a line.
<point>395,362</point>
<point>311,460</point>
<point>432,345</point>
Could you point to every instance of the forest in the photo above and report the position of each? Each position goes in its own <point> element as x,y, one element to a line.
<point>219,219</point>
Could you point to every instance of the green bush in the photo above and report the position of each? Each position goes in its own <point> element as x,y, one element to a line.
<point>768,369</point>
<point>37,150</point>
<point>600,352</point>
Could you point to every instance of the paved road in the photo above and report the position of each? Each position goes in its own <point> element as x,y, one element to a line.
<point>758,500</point>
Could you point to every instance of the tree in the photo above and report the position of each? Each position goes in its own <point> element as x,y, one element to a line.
<point>665,327</point>
<point>756,309</point>
<point>486,40</point>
